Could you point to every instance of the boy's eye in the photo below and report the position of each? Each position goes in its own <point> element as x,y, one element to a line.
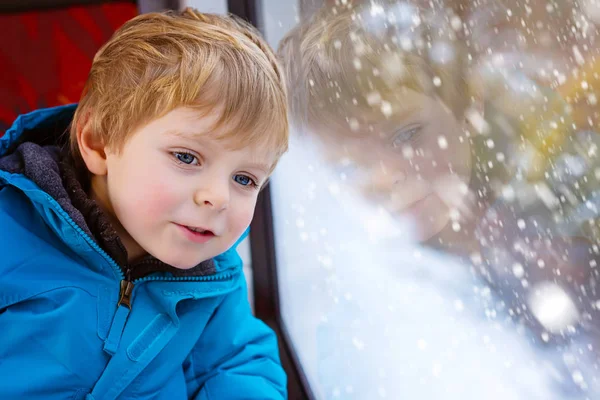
<point>244,180</point>
<point>186,158</point>
<point>405,135</point>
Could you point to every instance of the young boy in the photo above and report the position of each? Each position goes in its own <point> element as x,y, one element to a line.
<point>119,276</point>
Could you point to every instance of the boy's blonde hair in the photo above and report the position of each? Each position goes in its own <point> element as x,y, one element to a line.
<point>160,61</point>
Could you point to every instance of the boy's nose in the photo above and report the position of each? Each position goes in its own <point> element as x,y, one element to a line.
<point>216,198</point>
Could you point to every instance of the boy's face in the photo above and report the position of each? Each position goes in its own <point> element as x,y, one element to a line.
<point>170,179</point>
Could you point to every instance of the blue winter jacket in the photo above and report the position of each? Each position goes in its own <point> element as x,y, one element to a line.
<point>64,336</point>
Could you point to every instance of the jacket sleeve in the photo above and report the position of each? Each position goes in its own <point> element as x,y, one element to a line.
<point>236,357</point>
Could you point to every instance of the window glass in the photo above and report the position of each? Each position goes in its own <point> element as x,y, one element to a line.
<point>436,218</point>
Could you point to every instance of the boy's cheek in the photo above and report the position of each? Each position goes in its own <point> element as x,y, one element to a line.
<point>155,192</point>
<point>242,220</point>
<point>159,199</point>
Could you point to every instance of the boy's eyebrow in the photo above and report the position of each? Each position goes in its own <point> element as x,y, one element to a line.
<point>198,137</point>
<point>184,135</point>
<point>262,167</point>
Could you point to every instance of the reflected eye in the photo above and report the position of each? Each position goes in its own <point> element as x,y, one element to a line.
<point>244,180</point>
<point>186,158</point>
<point>405,135</point>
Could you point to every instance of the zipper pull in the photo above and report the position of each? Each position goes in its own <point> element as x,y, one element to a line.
<point>111,344</point>
<point>125,293</point>
<point>126,290</point>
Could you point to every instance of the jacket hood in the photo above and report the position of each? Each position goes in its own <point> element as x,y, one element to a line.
<point>32,147</point>
<point>43,127</point>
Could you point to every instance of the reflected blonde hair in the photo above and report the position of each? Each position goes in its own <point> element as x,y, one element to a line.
<point>340,68</point>
<point>160,61</point>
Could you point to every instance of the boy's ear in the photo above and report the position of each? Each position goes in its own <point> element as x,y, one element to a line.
<point>91,148</point>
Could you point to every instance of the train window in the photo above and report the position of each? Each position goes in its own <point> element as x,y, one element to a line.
<point>212,6</point>
<point>436,217</point>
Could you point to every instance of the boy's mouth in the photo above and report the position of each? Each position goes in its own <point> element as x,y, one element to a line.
<point>197,234</point>
<point>200,230</point>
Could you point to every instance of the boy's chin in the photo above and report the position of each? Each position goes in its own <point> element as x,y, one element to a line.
<point>180,261</point>
<point>184,264</point>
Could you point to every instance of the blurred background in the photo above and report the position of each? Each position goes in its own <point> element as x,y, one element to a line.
<point>433,231</point>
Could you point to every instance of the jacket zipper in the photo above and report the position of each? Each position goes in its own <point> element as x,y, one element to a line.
<point>113,339</point>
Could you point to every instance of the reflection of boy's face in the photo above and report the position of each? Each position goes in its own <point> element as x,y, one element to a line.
<point>417,163</point>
